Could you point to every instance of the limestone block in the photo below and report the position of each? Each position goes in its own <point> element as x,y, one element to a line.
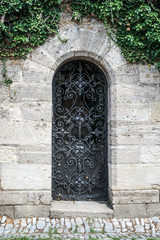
<point>4,113</point>
<point>129,210</point>
<point>26,177</point>
<point>36,198</point>
<point>42,57</point>
<point>15,113</point>
<point>131,111</point>
<point>35,154</point>
<point>136,93</point>
<point>82,39</point>
<point>100,43</point>
<point>158,93</point>
<point>153,210</point>
<point>114,57</point>
<point>57,48</point>
<point>155,111</point>
<point>37,111</point>
<point>10,111</point>
<point>149,74</point>
<point>64,57</point>
<point>132,197</point>
<point>131,133</point>
<point>49,49</point>
<point>127,70</point>
<point>78,38</point>
<point>14,70</point>
<point>150,154</point>
<point>126,78</point>
<point>31,92</point>
<point>25,133</point>
<point>125,154</point>
<point>34,72</point>
<point>0,173</point>
<point>4,93</point>
<point>8,211</point>
<point>31,211</point>
<point>8,154</point>
<point>13,198</point>
<point>135,176</point>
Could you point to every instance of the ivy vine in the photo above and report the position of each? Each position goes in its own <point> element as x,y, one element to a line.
<point>25,24</point>
<point>133,24</point>
<point>6,80</point>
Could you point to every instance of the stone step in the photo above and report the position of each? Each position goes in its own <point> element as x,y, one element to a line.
<point>71,209</point>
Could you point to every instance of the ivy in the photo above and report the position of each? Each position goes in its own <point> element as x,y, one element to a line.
<point>6,81</point>
<point>26,24</point>
<point>134,25</point>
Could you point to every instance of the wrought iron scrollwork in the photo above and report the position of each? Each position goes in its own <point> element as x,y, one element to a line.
<point>79,132</point>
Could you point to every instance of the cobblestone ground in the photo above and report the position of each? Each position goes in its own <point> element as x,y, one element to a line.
<point>80,228</point>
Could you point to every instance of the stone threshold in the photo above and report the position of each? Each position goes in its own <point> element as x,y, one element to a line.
<point>71,209</point>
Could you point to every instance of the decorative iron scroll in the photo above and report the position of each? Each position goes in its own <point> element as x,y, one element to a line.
<point>79,132</point>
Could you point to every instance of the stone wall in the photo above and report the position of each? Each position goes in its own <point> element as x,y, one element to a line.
<point>133,125</point>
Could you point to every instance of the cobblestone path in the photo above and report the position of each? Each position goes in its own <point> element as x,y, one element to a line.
<point>80,228</point>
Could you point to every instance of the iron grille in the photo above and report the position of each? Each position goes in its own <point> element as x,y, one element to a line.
<point>79,132</point>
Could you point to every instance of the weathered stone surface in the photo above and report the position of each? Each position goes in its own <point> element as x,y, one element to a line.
<point>40,56</point>
<point>8,154</point>
<point>23,222</point>
<point>8,211</point>
<point>153,210</point>
<point>129,210</point>
<point>149,74</point>
<point>8,227</point>
<point>158,226</point>
<point>130,176</point>
<point>132,197</point>
<point>117,61</point>
<point>4,93</point>
<point>135,92</point>
<point>3,220</point>
<point>30,210</point>
<point>30,92</point>
<point>39,154</point>
<point>139,229</point>
<point>131,156</point>
<point>127,70</point>
<point>40,224</point>
<point>13,198</point>
<point>26,123</point>
<point>150,154</point>
<point>108,227</point>
<point>80,209</point>
<point>25,133</point>
<point>37,111</point>
<point>155,111</point>
<point>14,70</point>
<point>132,133</point>
<point>79,221</point>
<point>25,176</point>
<point>39,197</point>
<point>34,72</point>
<point>130,111</point>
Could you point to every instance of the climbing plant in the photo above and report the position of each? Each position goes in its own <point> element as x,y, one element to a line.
<point>133,24</point>
<point>25,24</point>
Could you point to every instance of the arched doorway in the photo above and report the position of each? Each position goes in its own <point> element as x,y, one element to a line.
<point>79,132</point>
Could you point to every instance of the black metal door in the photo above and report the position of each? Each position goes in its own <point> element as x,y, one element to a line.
<point>79,132</point>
